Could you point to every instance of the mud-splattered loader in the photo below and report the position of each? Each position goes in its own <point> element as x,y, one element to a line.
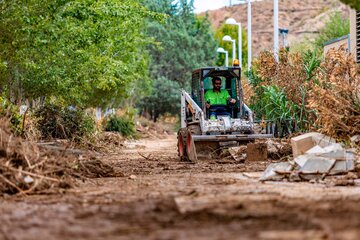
<point>200,134</point>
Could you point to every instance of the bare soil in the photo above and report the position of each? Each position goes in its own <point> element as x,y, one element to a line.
<point>155,196</point>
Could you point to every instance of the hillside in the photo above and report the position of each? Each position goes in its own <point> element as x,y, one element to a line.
<point>304,19</point>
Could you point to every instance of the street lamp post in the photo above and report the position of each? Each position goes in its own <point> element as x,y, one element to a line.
<point>227,38</point>
<point>232,21</point>
<point>276,29</point>
<point>248,28</point>
<point>249,35</point>
<point>221,50</point>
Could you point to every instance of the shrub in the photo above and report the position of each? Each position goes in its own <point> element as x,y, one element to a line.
<point>55,121</point>
<point>336,26</point>
<point>11,112</point>
<point>124,125</point>
<point>336,97</point>
<point>293,76</point>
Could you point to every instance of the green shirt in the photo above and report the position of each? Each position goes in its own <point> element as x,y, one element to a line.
<point>217,97</point>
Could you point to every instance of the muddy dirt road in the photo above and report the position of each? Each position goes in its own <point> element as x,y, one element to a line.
<point>159,197</point>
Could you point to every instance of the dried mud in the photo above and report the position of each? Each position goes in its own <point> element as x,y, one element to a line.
<point>154,196</point>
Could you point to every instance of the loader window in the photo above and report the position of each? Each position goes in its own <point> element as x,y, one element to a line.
<point>208,83</point>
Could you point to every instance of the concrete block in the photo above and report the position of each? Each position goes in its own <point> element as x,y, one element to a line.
<point>303,143</point>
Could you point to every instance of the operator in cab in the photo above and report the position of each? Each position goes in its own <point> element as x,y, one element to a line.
<point>217,99</point>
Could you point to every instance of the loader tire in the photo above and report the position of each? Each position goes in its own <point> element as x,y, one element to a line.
<point>191,153</point>
<point>181,144</point>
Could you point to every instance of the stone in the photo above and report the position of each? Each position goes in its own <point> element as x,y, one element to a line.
<point>303,143</point>
<point>271,171</point>
<point>28,179</point>
<point>133,177</point>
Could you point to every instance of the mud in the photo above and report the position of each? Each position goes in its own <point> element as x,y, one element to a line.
<point>154,196</point>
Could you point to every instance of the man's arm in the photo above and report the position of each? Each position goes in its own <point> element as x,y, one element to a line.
<point>207,99</point>
<point>228,97</point>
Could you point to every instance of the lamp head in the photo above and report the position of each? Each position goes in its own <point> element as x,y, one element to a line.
<point>230,21</point>
<point>220,50</point>
<point>227,38</point>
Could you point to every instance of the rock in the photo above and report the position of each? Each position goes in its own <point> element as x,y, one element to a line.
<point>133,177</point>
<point>28,179</point>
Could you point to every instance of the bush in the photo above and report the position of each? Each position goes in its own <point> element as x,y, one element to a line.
<point>11,112</point>
<point>124,125</point>
<point>337,26</point>
<point>336,97</point>
<point>55,121</point>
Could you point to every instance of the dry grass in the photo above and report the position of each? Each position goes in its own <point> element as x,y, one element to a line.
<point>288,74</point>
<point>336,98</point>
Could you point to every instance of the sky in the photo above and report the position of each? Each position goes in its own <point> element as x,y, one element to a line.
<point>203,5</point>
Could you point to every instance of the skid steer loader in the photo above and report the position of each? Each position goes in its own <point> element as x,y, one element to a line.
<point>201,135</point>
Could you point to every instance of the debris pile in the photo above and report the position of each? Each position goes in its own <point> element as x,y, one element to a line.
<point>104,142</point>
<point>260,150</point>
<point>315,157</point>
<point>26,168</point>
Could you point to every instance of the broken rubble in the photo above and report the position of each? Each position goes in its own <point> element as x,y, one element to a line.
<point>238,153</point>
<point>343,167</point>
<point>302,143</point>
<point>318,161</point>
<point>315,165</point>
<point>271,172</point>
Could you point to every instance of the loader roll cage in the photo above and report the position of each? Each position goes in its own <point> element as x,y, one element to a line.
<point>202,82</point>
<point>200,135</point>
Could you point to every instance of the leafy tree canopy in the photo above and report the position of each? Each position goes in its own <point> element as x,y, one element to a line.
<point>184,42</point>
<point>85,52</point>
